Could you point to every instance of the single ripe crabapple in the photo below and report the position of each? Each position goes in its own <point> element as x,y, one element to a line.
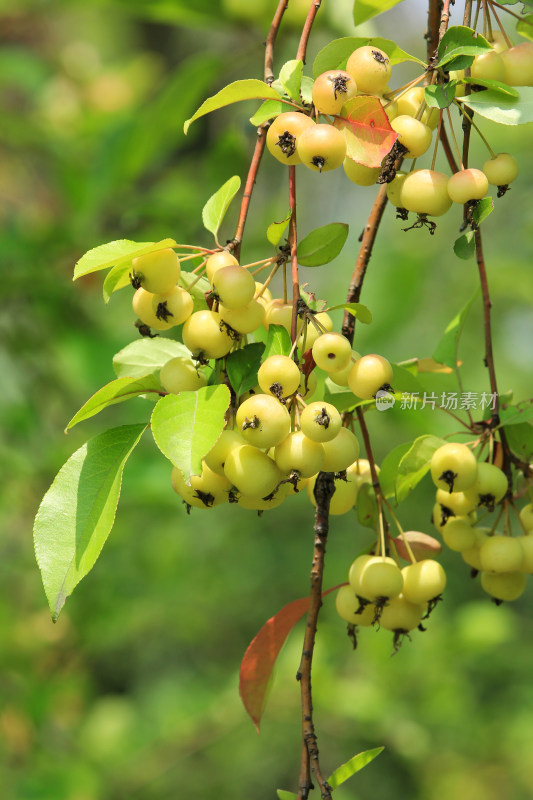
<point>331,351</point>
<point>284,133</point>
<point>471,555</point>
<point>490,486</point>
<point>156,272</point>
<point>320,421</point>
<point>518,62</point>
<point>340,377</point>
<point>216,458</point>
<point>368,375</point>
<point>344,496</point>
<point>424,191</point>
<point>279,375</point>
<point>243,320</point>
<point>340,452</point>
<point>234,286</point>
<point>458,502</point>
<point>251,471</point>
<point>488,66</point>
<point>332,89</point>
<point>311,332</point>
<point>526,542</point>
<point>204,491</point>
<point>453,467</point>
<point>458,534</point>
<point>412,134</point>
<point>501,170</point>
<point>347,605</point>
<point>370,68</point>
<point>359,174</point>
<point>278,313</point>
<point>400,615</point>
<point>298,453</point>
<point>423,581</point>
<point>410,103</point>
<point>263,420</point>
<point>204,335</point>
<point>467,184</point>
<point>504,586</point>
<point>321,147</point>
<point>394,188</point>
<point>356,568</point>
<point>501,554</point>
<point>526,516</point>
<point>381,578</point>
<point>218,261</point>
<point>172,308</point>
<point>181,375</point>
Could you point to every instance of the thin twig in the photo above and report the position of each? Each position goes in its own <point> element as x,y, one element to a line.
<point>306,32</point>
<point>293,241</point>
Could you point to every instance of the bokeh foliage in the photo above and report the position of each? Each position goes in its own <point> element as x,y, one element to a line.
<point>134,691</point>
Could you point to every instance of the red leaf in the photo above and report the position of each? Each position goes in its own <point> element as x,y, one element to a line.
<point>368,133</point>
<point>262,652</point>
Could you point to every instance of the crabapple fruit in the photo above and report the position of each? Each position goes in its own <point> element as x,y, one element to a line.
<point>370,68</point>
<point>467,184</point>
<point>284,133</point>
<point>157,272</point>
<point>263,420</point>
<point>332,89</point>
<point>321,147</point>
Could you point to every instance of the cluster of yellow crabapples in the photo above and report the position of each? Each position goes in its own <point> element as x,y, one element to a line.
<point>276,438</point>
<point>295,138</point>
<point>380,592</point>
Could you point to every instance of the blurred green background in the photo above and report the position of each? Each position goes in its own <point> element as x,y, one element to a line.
<point>134,692</point>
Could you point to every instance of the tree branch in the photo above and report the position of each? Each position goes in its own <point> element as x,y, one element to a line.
<point>293,241</point>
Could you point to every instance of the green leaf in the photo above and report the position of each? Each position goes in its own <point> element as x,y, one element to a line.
<point>197,287</point>
<point>322,245</point>
<point>283,795</point>
<point>215,209</point>
<point>403,380</point>
<point>389,469</point>
<point>415,464</point>
<point>335,54</point>
<point>242,366</point>
<point>461,41</point>
<point>358,310</point>
<point>147,356</point>
<point>496,85</point>
<point>306,89</point>
<point>500,108</point>
<point>366,506</point>
<point>115,392</point>
<point>123,251</point>
<point>520,439</point>
<point>482,210</point>
<point>352,766</point>
<point>186,426</point>
<point>525,27</point>
<point>276,230</point>
<point>268,110</point>
<point>339,396</point>
<point>78,511</point>
<point>278,342</point>
<point>465,246</point>
<point>250,89</point>
<point>440,96</point>
<point>366,9</point>
<point>446,350</point>
<point>515,415</point>
<point>117,278</point>
<point>291,78</point>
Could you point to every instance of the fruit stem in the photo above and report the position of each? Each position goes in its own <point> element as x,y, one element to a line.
<point>396,93</point>
<point>400,531</point>
<point>265,284</point>
<point>502,29</point>
<point>454,138</point>
<point>437,140</point>
<point>504,8</point>
<point>471,120</point>
<point>293,241</point>
<point>264,261</point>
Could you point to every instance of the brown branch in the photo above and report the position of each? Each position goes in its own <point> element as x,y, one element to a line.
<point>365,251</point>
<point>487,328</point>
<point>293,241</point>
<point>259,149</point>
<point>324,490</point>
<point>434,21</point>
<point>306,32</point>
<point>448,150</point>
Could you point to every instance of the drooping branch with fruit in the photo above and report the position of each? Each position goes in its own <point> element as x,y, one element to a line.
<point>257,397</point>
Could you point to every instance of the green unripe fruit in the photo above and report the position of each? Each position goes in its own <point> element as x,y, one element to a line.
<point>359,174</point>
<point>368,375</point>
<point>299,453</point>
<point>467,184</point>
<point>243,320</point>
<point>343,499</point>
<point>370,68</point>
<point>488,66</point>
<point>340,452</point>
<point>505,586</point>
<point>251,471</point>
<point>471,555</point>
<point>320,421</point>
<point>526,542</point>
<point>401,616</point>
<point>409,103</point>
<point>458,502</point>
<point>204,336</point>
<point>332,89</point>
<point>458,534</point>
<point>331,351</point>
<point>453,467</point>
<point>205,491</point>
<point>412,134</point>
<point>181,375</point>
<point>311,333</point>
<point>340,377</point>
<point>279,375</point>
<point>143,307</point>
<point>394,189</point>
<point>347,604</point>
<point>157,272</point>
<point>259,504</point>
<point>356,568</point>
<point>219,261</point>
<point>425,191</point>
<point>278,313</point>
<point>526,515</point>
<point>234,286</point>
<point>381,578</point>
<point>263,420</point>
<point>321,147</point>
<point>172,308</point>
<point>501,554</point>
<point>283,136</point>
<point>216,458</point>
<point>423,581</point>
<point>518,62</point>
<point>490,486</point>
<point>501,170</point>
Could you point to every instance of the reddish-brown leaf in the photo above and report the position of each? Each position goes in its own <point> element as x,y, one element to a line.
<point>368,133</point>
<point>262,652</point>
<point>422,545</point>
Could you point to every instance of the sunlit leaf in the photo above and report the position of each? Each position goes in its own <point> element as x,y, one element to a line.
<point>465,246</point>
<point>278,342</point>
<point>367,130</point>
<point>446,350</point>
<point>276,230</point>
<point>482,210</point>
<point>357,310</point>
<point>389,469</point>
<point>186,426</point>
<point>242,366</point>
<point>291,78</point>
<point>215,209</point>
<point>147,356</point>
<point>498,86</point>
<point>461,41</point>
<point>322,245</point>
<point>268,110</point>
<point>502,108</point>
<point>441,95</point>
<point>364,10</point>
<point>525,27</point>
<point>117,278</point>
<point>414,465</point>
<point>123,251</point>
<point>250,89</point>
<point>352,766</point>
<point>116,392</point>
<point>78,511</point>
